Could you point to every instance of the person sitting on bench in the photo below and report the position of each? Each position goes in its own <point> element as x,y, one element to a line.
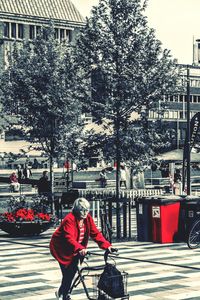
<point>14,184</point>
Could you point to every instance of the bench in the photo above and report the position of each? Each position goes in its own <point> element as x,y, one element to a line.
<point>92,184</point>
<point>6,188</point>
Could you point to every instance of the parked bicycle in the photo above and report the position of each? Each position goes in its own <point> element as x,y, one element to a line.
<point>194,235</point>
<point>98,283</point>
<point>105,224</point>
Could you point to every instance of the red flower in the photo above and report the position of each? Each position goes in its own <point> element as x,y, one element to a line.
<point>44,217</point>
<point>24,214</point>
<point>9,217</point>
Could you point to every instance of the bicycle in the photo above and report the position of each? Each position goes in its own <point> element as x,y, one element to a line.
<point>193,241</point>
<point>92,277</point>
<point>105,224</point>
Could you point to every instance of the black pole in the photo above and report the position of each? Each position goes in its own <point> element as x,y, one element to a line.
<point>67,173</point>
<point>188,131</point>
<point>51,159</point>
<point>72,173</point>
<point>118,160</point>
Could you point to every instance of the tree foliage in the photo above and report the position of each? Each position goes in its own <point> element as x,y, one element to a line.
<point>39,87</point>
<point>130,73</point>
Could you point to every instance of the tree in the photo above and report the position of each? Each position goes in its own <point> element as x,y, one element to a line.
<point>130,74</point>
<point>39,87</point>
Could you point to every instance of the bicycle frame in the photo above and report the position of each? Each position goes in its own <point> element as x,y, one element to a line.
<point>80,277</point>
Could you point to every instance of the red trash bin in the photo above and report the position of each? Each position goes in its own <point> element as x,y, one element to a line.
<point>165,219</point>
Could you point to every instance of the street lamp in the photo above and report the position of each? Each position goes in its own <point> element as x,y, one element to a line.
<point>188,132</point>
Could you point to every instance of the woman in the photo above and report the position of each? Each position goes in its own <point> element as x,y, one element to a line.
<point>14,184</point>
<point>71,239</point>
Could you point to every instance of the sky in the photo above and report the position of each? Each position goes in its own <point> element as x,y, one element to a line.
<point>177,23</point>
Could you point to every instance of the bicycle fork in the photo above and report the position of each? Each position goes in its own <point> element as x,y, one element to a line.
<point>80,278</point>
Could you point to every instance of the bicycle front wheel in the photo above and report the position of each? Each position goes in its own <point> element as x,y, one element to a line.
<point>194,236</point>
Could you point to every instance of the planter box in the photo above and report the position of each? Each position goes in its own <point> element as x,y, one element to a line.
<point>25,228</point>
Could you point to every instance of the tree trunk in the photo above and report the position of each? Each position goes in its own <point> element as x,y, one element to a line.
<point>52,145</point>
<point>118,160</point>
<point>52,184</point>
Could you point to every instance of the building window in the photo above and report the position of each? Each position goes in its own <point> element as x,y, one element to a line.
<point>156,115</point>
<point>20,31</point>
<point>56,33</point>
<point>175,114</point>
<point>151,114</point>
<point>194,99</point>
<point>13,30</point>
<point>181,98</point>
<point>62,34</point>
<point>166,115</point>
<point>182,134</point>
<point>6,30</point>
<point>31,32</point>
<point>69,34</point>
<point>38,30</point>
<point>181,115</point>
<point>45,35</point>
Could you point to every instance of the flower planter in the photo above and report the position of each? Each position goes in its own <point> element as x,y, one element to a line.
<point>25,228</point>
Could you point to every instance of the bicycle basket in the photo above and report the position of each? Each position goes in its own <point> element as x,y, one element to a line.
<point>113,282</point>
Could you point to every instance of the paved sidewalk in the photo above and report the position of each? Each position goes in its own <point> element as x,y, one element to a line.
<point>156,271</point>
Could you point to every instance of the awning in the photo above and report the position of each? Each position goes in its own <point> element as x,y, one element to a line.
<point>177,156</point>
<point>18,147</point>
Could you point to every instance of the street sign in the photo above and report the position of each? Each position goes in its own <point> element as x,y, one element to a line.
<point>190,213</point>
<point>156,211</point>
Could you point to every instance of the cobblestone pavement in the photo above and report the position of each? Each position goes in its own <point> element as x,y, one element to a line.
<point>156,271</point>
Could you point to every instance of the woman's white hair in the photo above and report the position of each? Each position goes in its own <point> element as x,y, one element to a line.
<point>79,204</point>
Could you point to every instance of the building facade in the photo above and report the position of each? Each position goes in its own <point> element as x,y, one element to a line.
<point>175,114</point>
<point>23,19</point>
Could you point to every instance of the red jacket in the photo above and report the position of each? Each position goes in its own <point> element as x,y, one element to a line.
<point>13,178</point>
<point>64,242</point>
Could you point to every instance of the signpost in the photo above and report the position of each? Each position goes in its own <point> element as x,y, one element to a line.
<point>191,134</point>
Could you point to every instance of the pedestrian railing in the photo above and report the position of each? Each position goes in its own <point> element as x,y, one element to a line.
<point>128,194</point>
<point>119,215</point>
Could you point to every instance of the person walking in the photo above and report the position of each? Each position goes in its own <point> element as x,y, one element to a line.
<point>69,243</point>
<point>103,178</point>
<point>27,172</point>
<point>44,185</point>
<point>19,173</point>
<point>123,176</point>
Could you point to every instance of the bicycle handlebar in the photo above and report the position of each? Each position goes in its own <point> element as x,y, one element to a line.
<point>106,253</point>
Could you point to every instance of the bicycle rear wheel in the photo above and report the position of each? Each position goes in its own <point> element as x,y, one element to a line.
<point>194,236</point>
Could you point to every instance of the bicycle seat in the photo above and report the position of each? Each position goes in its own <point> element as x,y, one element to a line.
<point>97,268</point>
